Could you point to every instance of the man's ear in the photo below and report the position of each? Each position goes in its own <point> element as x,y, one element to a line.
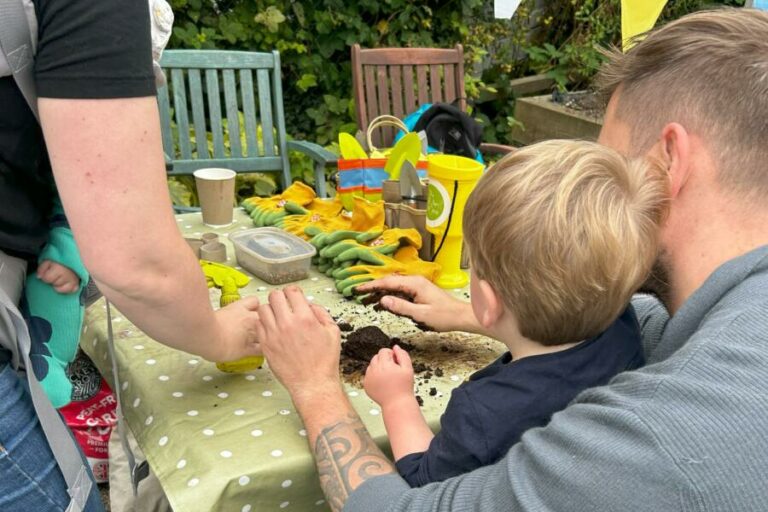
<point>494,306</point>
<point>675,148</point>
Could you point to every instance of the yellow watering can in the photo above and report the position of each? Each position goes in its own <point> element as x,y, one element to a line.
<point>451,180</point>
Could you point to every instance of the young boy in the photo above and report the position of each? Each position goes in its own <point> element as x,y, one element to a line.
<point>560,235</point>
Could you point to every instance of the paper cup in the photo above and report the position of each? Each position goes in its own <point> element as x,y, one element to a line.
<point>216,191</point>
<point>214,251</point>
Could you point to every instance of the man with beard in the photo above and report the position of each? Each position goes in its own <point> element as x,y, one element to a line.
<point>688,430</point>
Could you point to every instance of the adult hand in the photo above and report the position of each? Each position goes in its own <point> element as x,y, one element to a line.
<point>431,305</point>
<point>238,327</point>
<point>389,377</point>
<point>301,343</point>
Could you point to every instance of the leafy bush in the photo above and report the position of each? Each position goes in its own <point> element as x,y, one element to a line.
<point>569,34</point>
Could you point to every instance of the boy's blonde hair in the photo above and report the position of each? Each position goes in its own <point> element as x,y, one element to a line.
<point>565,232</point>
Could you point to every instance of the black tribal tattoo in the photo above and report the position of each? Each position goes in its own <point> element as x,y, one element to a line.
<point>346,457</point>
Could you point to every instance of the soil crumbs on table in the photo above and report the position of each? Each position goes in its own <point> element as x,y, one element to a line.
<point>433,354</point>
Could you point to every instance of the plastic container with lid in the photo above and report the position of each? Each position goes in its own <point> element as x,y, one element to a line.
<point>272,255</point>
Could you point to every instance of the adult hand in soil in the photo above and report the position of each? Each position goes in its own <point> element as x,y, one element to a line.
<point>389,377</point>
<point>429,305</point>
<point>300,340</point>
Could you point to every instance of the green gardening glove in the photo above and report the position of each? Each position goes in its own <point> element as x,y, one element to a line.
<point>367,246</point>
<point>404,262</point>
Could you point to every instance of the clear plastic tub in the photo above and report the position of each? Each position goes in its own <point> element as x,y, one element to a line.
<point>272,255</point>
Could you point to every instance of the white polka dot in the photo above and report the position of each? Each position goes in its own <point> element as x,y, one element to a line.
<point>188,226</point>
<point>246,508</point>
<point>226,454</point>
<point>310,298</point>
<point>303,433</point>
<point>181,464</point>
<point>353,393</point>
<point>276,453</point>
<point>138,347</point>
<point>286,484</point>
<point>208,432</point>
<point>376,322</point>
<point>314,279</point>
<point>163,378</point>
<point>192,413</point>
<point>117,319</point>
<point>329,289</point>
<point>95,341</point>
<point>207,378</point>
<point>239,412</point>
<point>106,356</point>
<point>257,433</point>
<point>284,412</point>
<point>244,480</point>
<point>193,362</point>
<point>262,288</point>
<point>266,393</point>
<point>177,394</point>
<point>151,362</point>
<point>238,268</point>
<point>136,402</point>
<point>163,441</point>
<point>374,412</point>
<point>285,504</point>
<point>455,378</point>
<point>250,377</point>
<point>85,328</point>
<point>319,502</point>
<point>193,482</point>
<point>125,385</point>
<point>223,395</point>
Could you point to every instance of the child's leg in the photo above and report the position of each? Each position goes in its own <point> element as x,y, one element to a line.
<point>55,318</point>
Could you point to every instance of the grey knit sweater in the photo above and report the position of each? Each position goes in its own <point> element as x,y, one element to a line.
<point>687,432</point>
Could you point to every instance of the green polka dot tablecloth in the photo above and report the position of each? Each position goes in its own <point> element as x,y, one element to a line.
<point>233,442</point>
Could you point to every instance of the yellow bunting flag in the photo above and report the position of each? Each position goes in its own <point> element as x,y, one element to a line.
<point>638,16</point>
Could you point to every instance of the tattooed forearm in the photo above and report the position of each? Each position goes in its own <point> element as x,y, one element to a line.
<point>346,457</point>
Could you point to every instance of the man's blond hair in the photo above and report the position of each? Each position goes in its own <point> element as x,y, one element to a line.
<point>565,231</point>
<point>709,72</point>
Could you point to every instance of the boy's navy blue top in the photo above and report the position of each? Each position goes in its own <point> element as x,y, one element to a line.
<point>487,414</point>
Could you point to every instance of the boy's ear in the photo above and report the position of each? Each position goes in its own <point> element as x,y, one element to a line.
<point>494,306</point>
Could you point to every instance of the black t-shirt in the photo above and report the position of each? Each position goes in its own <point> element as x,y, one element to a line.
<point>86,49</point>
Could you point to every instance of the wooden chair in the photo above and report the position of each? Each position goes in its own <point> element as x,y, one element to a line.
<point>397,81</point>
<point>238,98</point>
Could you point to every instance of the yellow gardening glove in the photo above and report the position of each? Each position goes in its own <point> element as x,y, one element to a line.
<point>365,216</point>
<point>323,215</point>
<point>265,211</point>
<point>405,262</point>
<point>372,243</point>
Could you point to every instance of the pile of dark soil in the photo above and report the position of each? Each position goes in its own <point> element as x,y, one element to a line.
<point>361,345</point>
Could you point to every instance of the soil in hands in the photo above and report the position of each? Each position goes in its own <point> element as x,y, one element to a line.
<point>374,299</point>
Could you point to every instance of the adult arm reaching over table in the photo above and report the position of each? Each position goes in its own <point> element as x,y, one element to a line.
<point>108,164</point>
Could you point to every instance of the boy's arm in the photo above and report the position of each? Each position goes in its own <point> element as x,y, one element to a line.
<point>459,447</point>
<point>407,430</point>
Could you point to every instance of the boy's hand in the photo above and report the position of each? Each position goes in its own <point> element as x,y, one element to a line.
<point>431,305</point>
<point>389,376</point>
<point>57,275</point>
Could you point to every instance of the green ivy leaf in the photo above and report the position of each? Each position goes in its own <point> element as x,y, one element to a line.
<point>306,81</point>
<point>272,17</point>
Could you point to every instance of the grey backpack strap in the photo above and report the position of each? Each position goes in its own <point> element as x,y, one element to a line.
<point>67,454</point>
<point>16,45</point>
<point>141,471</point>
